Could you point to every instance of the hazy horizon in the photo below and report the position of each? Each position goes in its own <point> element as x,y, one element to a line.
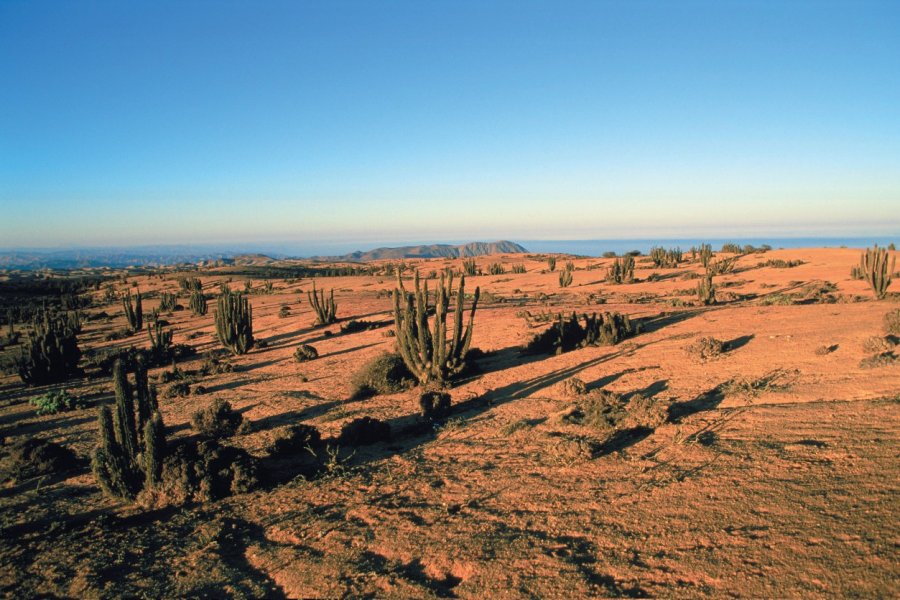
<point>239,122</point>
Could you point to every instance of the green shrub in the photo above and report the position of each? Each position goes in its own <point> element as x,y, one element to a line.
<point>56,402</point>
<point>385,374</point>
<point>217,420</point>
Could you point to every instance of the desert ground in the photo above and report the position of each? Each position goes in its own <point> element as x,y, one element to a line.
<point>773,471</point>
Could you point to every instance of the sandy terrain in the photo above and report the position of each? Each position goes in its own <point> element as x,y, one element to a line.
<point>786,489</point>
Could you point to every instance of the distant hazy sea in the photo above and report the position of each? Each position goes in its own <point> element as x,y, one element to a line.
<point>598,247</point>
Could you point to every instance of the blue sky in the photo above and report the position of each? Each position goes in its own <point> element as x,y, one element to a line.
<point>164,122</point>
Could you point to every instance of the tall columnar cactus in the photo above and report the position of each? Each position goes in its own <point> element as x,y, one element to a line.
<point>428,353</point>
<point>198,304</point>
<point>234,322</point>
<point>706,254</point>
<point>706,291</point>
<point>621,271</point>
<point>469,266</point>
<point>50,353</point>
<point>877,266</point>
<point>134,312</point>
<point>128,457</point>
<point>551,263</point>
<point>326,309</point>
<point>168,301</point>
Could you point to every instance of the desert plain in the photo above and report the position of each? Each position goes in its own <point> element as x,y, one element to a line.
<point>768,470</point>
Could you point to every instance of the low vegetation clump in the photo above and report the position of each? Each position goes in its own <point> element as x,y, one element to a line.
<point>204,470</point>
<point>325,308</point>
<point>35,457</point>
<point>216,421</point>
<point>882,359</point>
<point>571,333</point>
<point>59,401</point>
<point>892,322</point>
<point>879,344</point>
<point>305,352</point>
<point>427,351</point>
<point>722,266</point>
<point>284,312</point>
<point>384,374</point>
<point>434,405</point>
<point>355,326</point>
<point>707,347</point>
<point>293,440</point>
<point>573,386</point>
<point>778,263</point>
<point>364,431</point>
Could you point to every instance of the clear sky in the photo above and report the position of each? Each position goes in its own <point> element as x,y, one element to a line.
<point>185,121</point>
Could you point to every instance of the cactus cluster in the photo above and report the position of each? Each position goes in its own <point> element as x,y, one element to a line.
<point>134,311</point>
<point>704,252</point>
<point>621,271</point>
<point>326,308</point>
<point>168,301</point>
<point>160,341</point>
<point>666,259</point>
<point>496,269</point>
<point>551,263</point>
<point>573,332</point>
<point>132,444</point>
<point>565,278</point>
<point>50,353</point>
<point>190,284</point>
<point>876,266</point>
<point>428,353</point>
<point>706,290</point>
<point>234,322</point>
<point>468,265</point>
<point>197,303</point>
<point>518,268</point>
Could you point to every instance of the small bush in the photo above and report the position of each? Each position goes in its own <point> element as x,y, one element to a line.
<point>707,347</point>
<point>879,344</point>
<point>284,312</point>
<point>355,326</point>
<point>217,420</point>
<point>573,386</point>
<point>385,374</point>
<point>203,470</point>
<point>305,352</point>
<point>434,405</point>
<point>879,360</point>
<point>33,457</point>
<point>827,349</point>
<point>180,389</point>
<point>56,402</point>
<point>364,431</point>
<point>294,439</point>
<point>892,322</point>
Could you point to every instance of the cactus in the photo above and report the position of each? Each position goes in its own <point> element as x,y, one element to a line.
<point>621,271</point>
<point>50,353</point>
<point>160,341</point>
<point>666,258</point>
<point>706,254</point>
<point>134,313</point>
<point>874,267</point>
<point>267,287</point>
<point>469,266</point>
<point>565,278</point>
<point>568,333</point>
<point>496,269</point>
<point>168,301</point>
<point>551,263</point>
<point>234,322</point>
<point>518,268</point>
<point>706,291</point>
<point>190,284</point>
<point>428,354</point>
<point>131,448</point>
<point>198,304</point>
<point>326,310</point>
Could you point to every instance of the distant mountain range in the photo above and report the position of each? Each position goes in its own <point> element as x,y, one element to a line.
<point>432,251</point>
<point>157,256</point>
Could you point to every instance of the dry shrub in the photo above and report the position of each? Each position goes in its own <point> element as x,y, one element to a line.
<point>202,470</point>
<point>294,439</point>
<point>385,374</point>
<point>572,387</point>
<point>434,405</point>
<point>706,347</point>
<point>305,352</point>
<point>34,457</point>
<point>823,350</point>
<point>217,420</point>
<point>876,344</point>
<point>364,431</point>
<point>879,360</point>
<point>892,322</point>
